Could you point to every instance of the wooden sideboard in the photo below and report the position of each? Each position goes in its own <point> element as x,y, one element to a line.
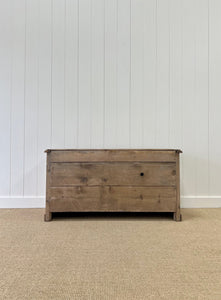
<point>113,180</point>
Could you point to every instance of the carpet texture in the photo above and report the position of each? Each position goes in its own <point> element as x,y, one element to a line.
<point>108,257</point>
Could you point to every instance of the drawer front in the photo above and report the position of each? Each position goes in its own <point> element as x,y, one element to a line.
<point>114,173</point>
<point>112,198</point>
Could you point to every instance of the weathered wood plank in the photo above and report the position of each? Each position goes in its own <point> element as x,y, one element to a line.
<point>112,155</point>
<point>113,173</point>
<point>112,198</point>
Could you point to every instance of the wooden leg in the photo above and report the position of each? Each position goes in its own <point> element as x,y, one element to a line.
<point>177,216</point>
<point>48,217</point>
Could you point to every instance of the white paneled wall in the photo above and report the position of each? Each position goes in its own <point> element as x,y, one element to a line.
<point>109,74</point>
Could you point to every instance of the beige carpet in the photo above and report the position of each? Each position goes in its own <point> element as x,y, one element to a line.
<point>151,257</point>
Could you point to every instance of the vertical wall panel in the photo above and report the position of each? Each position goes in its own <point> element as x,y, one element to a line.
<point>18,96</point>
<point>58,74</point>
<point>5,93</point>
<point>201,112</point>
<point>214,97</point>
<point>44,90</point>
<point>31,98</point>
<point>189,97</point>
<point>137,72</point>
<point>163,75</point>
<point>149,73</point>
<point>176,35</point>
<point>97,73</point>
<point>84,134</point>
<point>123,73</point>
<point>71,74</point>
<point>110,75</point>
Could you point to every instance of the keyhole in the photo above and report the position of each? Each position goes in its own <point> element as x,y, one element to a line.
<point>141,174</point>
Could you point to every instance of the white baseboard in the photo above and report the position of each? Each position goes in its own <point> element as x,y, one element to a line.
<point>39,201</point>
<point>22,202</point>
<point>200,201</point>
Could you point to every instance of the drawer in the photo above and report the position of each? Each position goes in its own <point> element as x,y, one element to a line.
<point>112,198</point>
<point>113,173</point>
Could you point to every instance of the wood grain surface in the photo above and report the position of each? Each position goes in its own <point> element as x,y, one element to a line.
<point>112,155</point>
<point>113,173</point>
<point>112,198</point>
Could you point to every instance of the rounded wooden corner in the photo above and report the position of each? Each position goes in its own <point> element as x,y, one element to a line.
<point>179,151</point>
<point>47,151</point>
